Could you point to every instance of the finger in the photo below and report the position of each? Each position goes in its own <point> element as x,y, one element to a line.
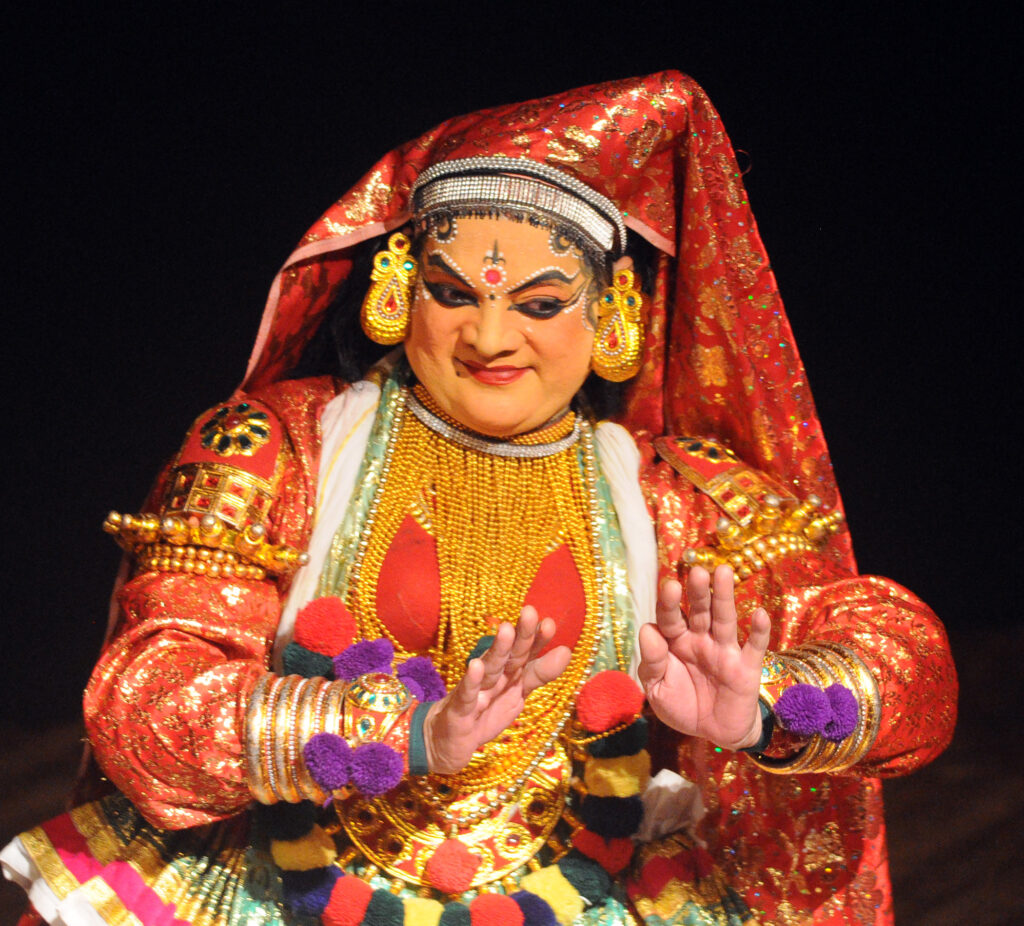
<point>545,668</point>
<point>497,656</point>
<point>526,634</point>
<point>545,634</point>
<point>698,600</point>
<point>464,698</point>
<point>723,607</point>
<point>653,656</point>
<point>668,611</point>
<point>760,632</point>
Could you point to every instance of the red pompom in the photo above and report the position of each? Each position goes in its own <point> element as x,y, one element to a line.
<point>451,867</point>
<point>325,626</point>
<point>495,910</point>
<point>608,699</point>
<point>349,900</point>
<point>613,855</point>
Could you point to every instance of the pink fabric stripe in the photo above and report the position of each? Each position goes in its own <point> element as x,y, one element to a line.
<point>138,897</point>
<point>71,848</point>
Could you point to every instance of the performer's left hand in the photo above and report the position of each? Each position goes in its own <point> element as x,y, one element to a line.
<point>697,677</point>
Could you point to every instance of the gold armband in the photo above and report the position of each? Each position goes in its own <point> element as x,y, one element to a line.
<point>822,665</point>
<point>202,546</point>
<point>780,528</point>
<point>761,521</point>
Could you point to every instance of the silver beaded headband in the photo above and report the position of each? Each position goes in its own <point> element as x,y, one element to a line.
<point>495,182</point>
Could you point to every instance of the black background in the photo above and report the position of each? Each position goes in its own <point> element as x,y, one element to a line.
<point>167,159</point>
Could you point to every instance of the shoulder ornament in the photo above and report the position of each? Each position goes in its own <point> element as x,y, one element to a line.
<point>761,521</point>
<point>213,512</point>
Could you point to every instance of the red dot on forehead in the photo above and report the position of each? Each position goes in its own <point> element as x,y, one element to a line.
<point>492,275</point>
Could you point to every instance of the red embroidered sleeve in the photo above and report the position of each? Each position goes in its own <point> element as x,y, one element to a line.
<point>165,706</point>
<point>814,600</point>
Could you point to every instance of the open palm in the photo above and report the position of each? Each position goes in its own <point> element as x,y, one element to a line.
<point>696,676</point>
<point>492,693</point>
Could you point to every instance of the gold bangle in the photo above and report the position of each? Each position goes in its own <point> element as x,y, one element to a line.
<point>824,664</point>
<point>255,718</point>
<point>267,739</point>
<point>827,753</point>
<point>869,703</point>
<point>303,730</point>
<point>285,787</point>
<point>810,756</point>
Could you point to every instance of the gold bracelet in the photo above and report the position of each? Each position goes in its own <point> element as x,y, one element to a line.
<point>267,739</point>
<point>858,678</point>
<point>285,786</point>
<point>304,728</point>
<point>824,664</point>
<point>825,754</point>
<point>255,719</point>
<point>282,715</point>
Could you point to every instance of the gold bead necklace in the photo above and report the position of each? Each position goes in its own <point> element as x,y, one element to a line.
<point>494,518</point>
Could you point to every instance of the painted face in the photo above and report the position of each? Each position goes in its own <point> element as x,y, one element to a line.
<point>499,333</point>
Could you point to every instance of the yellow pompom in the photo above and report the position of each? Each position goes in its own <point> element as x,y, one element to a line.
<point>420,911</point>
<point>622,776</point>
<point>314,850</point>
<point>550,884</point>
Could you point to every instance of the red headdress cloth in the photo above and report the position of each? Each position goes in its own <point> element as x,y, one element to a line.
<point>719,358</point>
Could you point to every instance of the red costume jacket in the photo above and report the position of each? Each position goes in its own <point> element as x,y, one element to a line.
<point>166,703</point>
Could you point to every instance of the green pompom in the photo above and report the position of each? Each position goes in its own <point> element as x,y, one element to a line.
<point>384,909</point>
<point>591,881</point>
<point>301,661</point>
<point>455,914</point>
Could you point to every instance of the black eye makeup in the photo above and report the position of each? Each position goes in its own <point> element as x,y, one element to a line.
<point>449,295</point>
<point>542,306</point>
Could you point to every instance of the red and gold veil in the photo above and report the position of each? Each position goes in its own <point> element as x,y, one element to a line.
<point>719,358</point>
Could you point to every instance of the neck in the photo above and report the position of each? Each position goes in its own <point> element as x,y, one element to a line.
<point>557,433</point>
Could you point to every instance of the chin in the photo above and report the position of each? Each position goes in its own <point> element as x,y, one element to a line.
<point>491,428</point>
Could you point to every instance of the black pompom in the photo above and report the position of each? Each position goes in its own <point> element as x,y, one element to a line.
<point>612,817</point>
<point>626,742</point>
<point>287,821</point>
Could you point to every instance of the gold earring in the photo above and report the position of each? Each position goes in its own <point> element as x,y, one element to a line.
<point>385,312</point>
<point>619,331</point>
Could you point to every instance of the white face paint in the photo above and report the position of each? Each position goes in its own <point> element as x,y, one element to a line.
<point>500,357</point>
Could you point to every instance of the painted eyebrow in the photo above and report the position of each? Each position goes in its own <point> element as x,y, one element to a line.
<point>546,277</point>
<point>436,260</point>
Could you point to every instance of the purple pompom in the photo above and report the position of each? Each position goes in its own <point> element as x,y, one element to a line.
<point>844,713</point>
<point>329,759</point>
<point>535,909</point>
<point>363,657</point>
<point>422,679</point>
<point>376,768</point>
<point>307,892</point>
<point>803,710</point>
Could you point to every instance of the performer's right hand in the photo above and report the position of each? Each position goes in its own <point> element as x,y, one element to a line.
<point>492,692</point>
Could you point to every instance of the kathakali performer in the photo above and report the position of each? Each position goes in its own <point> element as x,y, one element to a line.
<point>512,585</point>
